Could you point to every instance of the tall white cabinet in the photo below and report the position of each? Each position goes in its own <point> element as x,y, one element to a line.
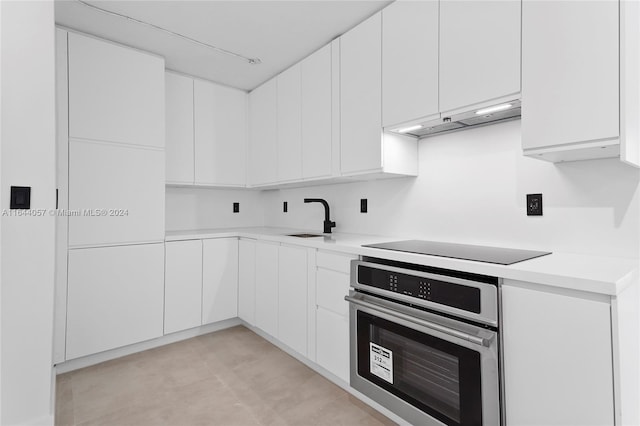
<point>115,271</point>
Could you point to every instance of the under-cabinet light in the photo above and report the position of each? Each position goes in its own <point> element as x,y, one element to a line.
<point>496,108</point>
<point>408,129</point>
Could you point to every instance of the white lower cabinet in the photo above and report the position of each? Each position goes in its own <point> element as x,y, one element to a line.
<point>183,285</point>
<point>557,357</point>
<point>219,279</point>
<point>332,342</point>
<point>267,287</point>
<point>247,281</point>
<point>292,297</point>
<point>115,297</point>
<point>332,312</point>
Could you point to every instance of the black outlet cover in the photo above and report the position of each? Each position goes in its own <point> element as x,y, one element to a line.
<point>363,205</point>
<point>20,197</point>
<point>534,204</point>
<point>285,206</point>
<point>236,207</point>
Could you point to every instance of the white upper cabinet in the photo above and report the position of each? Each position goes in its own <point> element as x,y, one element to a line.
<point>409,61</point>
<point>220,134</point>
<point>316,86</point>
<point>263,145</point>
<point>364,148</point>
<point>179,125</point>
<point>116,94</point>
<point>570,78</point>
<point>361,97</point>
<point>480,52</point>
<point>219,279</point>
<point>289,125</point>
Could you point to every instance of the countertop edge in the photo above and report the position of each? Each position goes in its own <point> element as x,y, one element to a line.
<point>522,271</point>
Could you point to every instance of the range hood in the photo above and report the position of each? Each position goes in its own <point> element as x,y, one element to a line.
<point>450,123</point>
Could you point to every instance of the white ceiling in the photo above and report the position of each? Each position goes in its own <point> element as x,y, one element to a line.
<point>280,33</point>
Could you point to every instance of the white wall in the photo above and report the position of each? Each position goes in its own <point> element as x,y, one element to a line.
<point>472,188</point>
<point>27,245</point>
<point>200,208</point>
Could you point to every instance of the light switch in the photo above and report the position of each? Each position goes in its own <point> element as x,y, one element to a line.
<point>20,197</point>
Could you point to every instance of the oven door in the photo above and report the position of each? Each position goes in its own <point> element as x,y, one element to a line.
<point>428,369</point>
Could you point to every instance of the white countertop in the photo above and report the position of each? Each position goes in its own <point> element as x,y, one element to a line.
<point>596,274</point>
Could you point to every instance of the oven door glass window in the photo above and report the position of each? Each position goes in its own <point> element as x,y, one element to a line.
<point>434,375</point>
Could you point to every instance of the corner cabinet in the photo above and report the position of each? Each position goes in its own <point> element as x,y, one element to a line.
<point>585,106</point>
<point>263,136</point>
<point>365,149</point>
<point>206,133</point>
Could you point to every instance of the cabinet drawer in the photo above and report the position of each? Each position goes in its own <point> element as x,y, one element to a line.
<point>331,288</point>
<point>335,262</point>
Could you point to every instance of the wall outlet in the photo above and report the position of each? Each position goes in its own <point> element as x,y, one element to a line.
<point>363,205</point>
<point>534,204</point>
<point>285,206</point>
<point>236,207</point>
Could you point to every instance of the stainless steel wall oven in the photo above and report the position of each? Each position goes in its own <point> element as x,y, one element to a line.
<point>425,342</point>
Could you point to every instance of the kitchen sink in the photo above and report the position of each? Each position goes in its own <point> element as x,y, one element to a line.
<point>305,235</point>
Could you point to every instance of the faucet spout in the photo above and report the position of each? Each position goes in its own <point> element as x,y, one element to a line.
<point>328,224</point>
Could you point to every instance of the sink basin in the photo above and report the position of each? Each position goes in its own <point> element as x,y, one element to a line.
<point>305,235</point>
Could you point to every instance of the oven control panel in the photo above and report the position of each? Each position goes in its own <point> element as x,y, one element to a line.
<point>445,293</point>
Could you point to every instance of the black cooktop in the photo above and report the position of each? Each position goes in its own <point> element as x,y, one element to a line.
<point>498,255</point>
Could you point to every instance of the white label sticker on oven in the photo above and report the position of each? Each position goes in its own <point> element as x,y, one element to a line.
<point>381,362</point>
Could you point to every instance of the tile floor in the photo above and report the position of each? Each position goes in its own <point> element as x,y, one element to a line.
<point>230,377</point>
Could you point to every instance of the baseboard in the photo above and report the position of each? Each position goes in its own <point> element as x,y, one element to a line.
<point>89,360</point>
<point>328,375</point>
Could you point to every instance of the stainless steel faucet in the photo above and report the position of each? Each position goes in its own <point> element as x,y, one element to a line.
<point>328,224</point>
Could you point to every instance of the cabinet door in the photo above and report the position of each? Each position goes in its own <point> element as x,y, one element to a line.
<point>109,178</point>
<point>316,83</point>
<point>409,61</point>
<point>263,146</point>
<point>247,281</point>
<point>115,297</point>
<point>576,99</point>
<point>179,125</point>
<point>219,279</point>
<point>557,359</point>
<point>220,134</point>
<point>292,298</point>
<point>267,288</point>
<point>479,51</point>
<point>289,125</point>
<point>182,285</point>
<point>116,93</point>
<point>332,342</point>
<point>361,97</point>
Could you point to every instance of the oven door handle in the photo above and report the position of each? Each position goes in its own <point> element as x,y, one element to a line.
<point>482,341</point>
